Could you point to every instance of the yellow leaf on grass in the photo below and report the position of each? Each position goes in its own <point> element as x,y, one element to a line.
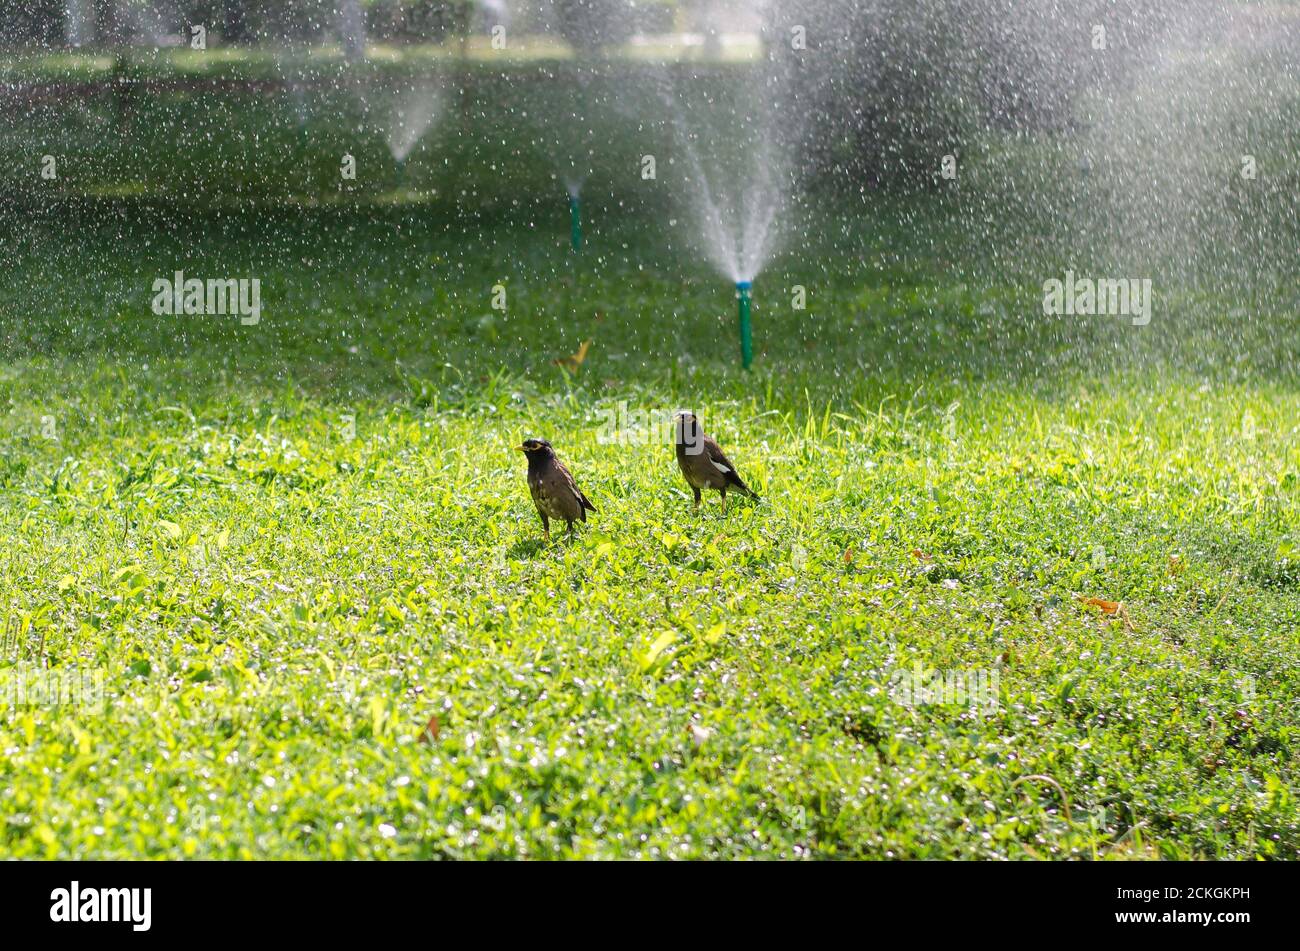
<point>378,714</point>
<point>661,644</point>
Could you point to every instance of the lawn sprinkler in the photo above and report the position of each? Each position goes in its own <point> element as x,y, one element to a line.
<point>575,222</point>
<point>742,311</point>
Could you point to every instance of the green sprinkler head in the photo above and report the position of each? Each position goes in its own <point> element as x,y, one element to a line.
<point>742,311</point>
<point>575,222</point>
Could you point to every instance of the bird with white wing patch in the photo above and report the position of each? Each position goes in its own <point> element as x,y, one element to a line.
<point>703,462</point>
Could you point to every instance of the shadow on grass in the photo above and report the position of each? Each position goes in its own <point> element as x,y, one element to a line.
<point>528,548</point>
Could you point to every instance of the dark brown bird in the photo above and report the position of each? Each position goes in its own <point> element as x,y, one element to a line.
<point>704,463</point>
<point>555,493</point>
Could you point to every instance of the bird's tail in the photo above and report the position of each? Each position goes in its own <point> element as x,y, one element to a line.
<point>739,484</point>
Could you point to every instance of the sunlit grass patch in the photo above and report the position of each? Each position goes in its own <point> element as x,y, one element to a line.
<point>288,548</point>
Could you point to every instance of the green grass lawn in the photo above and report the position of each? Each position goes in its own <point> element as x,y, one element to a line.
<point>286,547</point>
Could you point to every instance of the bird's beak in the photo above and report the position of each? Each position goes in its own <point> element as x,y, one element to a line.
<point>520,449</point>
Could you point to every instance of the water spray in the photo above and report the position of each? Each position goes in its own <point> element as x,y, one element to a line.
<point>413,113</point>
<point>575,222</point>
<point>742,311</point>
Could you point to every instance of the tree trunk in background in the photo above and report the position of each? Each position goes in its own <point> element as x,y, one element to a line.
<point>352,30</point>
<point>108,23</point>
<point>78,22</point>
<point>234,21</point>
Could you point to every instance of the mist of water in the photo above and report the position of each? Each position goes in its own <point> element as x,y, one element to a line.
<point>1185,150</point>
<point>78,21</point>
<point>735,208</point>
<point>352,30</point>
<point>492,13</point>
<point>414,111</point>
<point>738,138</point>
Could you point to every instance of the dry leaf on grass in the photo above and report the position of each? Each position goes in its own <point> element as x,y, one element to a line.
<point>574,363</point>
<point>1105,607</point>
<point>430,731</point>
<point>1112,609</point>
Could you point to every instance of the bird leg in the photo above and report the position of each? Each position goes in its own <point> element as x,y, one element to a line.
<point>724,501</point>
<point>546,528</point>
<point>697,499</point>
